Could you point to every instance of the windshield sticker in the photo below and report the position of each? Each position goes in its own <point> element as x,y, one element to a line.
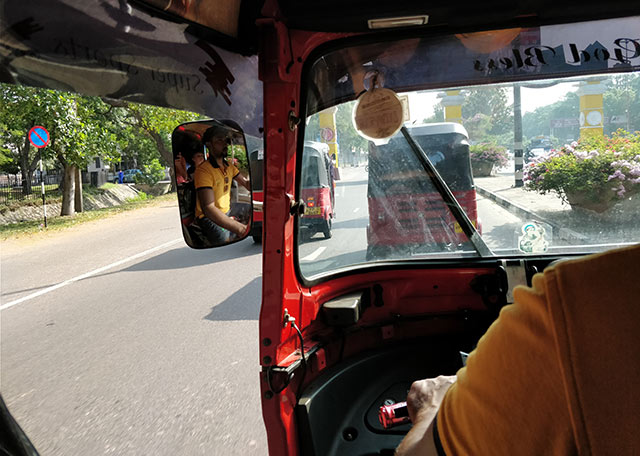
<point>218,75</point>
<point>533,238</point>
<point>623,51</point>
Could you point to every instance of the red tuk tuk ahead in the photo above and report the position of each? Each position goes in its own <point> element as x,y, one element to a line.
<point>405,209</point>
<point>317,190</point>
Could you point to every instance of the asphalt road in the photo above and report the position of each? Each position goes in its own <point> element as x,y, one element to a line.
<point>348,244</point>
<point>116,338</point>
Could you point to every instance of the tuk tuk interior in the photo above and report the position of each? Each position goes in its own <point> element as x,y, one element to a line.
<point>340,334</point>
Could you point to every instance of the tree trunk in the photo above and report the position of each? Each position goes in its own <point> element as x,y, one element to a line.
<point>165,153</point>
<point>26,178</point>
<point>25,169</point>
<point>68,190</point>
<point>172,176</point>
<point>78,192</point>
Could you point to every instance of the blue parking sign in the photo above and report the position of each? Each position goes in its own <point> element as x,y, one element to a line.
<point>39,136</point>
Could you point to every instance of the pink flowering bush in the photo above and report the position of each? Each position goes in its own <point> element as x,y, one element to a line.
<point>487,152</point>
<point>600,170</point>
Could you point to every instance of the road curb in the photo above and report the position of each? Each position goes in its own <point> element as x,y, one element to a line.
<point>558,231</point>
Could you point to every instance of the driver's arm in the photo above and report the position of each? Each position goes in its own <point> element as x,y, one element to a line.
<point>240,179</point>
<point>510,396</point>
<point>207,202</point>
<point>423,401</point>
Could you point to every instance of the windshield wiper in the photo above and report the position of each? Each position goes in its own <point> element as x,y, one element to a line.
<point>450,201</point>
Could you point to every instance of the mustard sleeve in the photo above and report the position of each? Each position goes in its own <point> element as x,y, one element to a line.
<point>509,399</point>
<point>202,178</point>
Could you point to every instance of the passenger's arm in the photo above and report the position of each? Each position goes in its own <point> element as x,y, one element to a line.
<point>207,202</point>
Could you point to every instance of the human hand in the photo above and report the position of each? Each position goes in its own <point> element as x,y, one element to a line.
<point>181,166</point>
<point>425,397</point>
<point>240,229</point>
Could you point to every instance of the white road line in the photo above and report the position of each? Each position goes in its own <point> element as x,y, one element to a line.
<point>356,210</point>
<point>88,274</point>
<point>314,255</point>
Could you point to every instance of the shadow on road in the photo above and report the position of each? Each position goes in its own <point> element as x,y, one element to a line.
<point>353,223</point>
<point>24,290</point>
<point>244,304</point>
<point>186,257</point>
<point>501,236</point>
<point>351,183</point>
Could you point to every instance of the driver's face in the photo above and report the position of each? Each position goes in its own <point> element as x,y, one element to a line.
<point>219,145</point>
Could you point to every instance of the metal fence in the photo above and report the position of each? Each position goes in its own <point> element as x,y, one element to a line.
<point>12,188</point>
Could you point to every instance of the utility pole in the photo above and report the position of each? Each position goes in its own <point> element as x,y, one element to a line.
<point>44,203</point>
<point>517,135</point>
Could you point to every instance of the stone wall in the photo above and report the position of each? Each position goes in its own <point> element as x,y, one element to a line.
<point>110,197</point>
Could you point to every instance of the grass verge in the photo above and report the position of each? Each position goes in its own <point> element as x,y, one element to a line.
<point>53,195</point>
<point>33,227</point>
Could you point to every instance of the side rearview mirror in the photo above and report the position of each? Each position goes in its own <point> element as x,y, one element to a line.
<point>213,180</point>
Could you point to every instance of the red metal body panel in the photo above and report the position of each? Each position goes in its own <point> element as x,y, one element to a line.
<point>281,65</point>
<point>416,219</point>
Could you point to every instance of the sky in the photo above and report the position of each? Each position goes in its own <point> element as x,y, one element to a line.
<point>421,104</point>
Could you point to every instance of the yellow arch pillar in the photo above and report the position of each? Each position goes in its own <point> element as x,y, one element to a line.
<point>452,102</point>
<point>591,108</point>
<point>329,131</point>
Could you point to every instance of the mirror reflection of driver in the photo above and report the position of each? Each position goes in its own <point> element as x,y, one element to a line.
<point>213,185</point>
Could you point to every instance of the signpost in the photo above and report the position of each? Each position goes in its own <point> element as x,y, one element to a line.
<point>39,137</point>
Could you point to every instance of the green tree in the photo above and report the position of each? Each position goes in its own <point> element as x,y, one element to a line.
<point>347,135</point>
<point>81,128</point>
<point>153,123</point>
<point>20,110</point>
<point>538,122</point>
<point>438,114</point>
<point>622,98</point>
<point>490,102</point>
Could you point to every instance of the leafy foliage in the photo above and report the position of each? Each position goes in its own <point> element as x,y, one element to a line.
<point>151,173</point>
<point>347,134</point>
<point>598,168</point>
<point>488,152</point>
<point>486,112</point>
<point>239,154</point>
<point>82,128</point>
<point>622,98</point>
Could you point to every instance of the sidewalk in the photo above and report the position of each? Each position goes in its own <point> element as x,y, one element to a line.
<point>571,225</point>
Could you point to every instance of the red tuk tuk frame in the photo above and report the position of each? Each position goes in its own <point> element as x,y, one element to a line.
<point>287,303</point>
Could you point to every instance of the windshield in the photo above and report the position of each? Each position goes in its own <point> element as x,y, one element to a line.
<point>542,155</point>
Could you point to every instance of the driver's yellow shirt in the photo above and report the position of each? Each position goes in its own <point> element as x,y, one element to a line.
<point>559,371</point>
<point>218,179</point>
